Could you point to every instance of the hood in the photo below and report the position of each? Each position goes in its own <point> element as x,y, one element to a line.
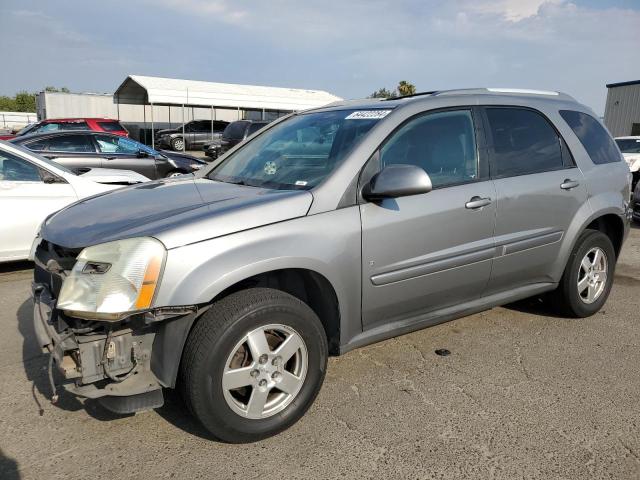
<point>176,211</point>
<point>181,157</point>
<point>111,175</point>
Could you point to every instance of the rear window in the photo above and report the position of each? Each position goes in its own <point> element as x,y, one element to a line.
<point>111,126</point>
<point>235,130</point>
<point>593,136</point>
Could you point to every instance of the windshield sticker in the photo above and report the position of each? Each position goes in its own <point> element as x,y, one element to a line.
<point>270,168</point>
<point>301,183</point>
<point>368,115</point>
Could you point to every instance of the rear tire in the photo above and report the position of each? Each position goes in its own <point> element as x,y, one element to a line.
<point>588,276</point>
<point>224,342</point>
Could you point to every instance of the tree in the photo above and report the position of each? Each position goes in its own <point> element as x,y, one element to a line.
<point>383,93</point>
<point>405,88</point>
<point>25,102</point>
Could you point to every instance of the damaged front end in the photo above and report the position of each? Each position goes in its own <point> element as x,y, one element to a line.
<point>124,362</point>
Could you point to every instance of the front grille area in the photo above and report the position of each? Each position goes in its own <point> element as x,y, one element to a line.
<point>51,261</point>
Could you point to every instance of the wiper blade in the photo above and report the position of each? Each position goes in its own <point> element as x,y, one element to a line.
<point>233,182</point>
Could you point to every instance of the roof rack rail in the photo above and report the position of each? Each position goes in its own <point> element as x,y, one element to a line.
<point>418,94</point>
<point>494,90</point>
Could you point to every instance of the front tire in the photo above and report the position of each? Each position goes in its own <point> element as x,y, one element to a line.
<point>177,144</point>
<point>588,276</point>
<point>253,364</point>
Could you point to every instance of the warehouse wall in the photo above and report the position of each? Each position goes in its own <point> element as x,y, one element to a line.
<point>65,105</point>
<point>622,111</point>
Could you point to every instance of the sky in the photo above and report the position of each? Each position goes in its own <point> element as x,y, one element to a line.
<point>347,47</point>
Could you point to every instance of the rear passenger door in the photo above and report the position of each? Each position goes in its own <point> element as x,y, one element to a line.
<point>539,191</point>
<point>426,252</point>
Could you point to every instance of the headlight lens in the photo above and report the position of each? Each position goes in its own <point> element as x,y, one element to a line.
<point>112,279</point>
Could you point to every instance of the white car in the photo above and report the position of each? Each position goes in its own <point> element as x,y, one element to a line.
<point>630,148</point>
<point>32,187</point>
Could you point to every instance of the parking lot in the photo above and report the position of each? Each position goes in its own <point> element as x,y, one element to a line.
<point>523,394</point>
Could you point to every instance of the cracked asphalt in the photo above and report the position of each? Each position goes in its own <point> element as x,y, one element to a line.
<point>524,394</point>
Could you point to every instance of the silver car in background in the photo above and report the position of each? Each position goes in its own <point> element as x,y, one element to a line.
<point>328,230</point>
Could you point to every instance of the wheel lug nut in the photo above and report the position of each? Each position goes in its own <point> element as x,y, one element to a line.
<point>254,373</point>
<point>276,376</point>
<point>262,383</point>
<point>276,361</point>
<point>263,359</point>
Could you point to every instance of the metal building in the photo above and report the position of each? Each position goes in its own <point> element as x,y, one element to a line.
<point>145,104</point>
<point>622,112</point>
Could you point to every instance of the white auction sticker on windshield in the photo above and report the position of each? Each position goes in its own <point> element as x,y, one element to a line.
<point>368,115</point>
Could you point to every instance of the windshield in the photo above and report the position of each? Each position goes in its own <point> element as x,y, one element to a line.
<point>299,152</point>
<point>27,129</point>
<point>629,145</point>
<point>45,160</point>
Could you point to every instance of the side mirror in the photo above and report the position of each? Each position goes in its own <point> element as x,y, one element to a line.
<point>397,181</point>
<point>142,154</point>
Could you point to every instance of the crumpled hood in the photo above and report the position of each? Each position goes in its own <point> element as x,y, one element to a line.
<point>176,211</point>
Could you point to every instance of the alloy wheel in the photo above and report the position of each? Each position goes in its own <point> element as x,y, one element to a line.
<point>592,275</point>
<point>265,371</point>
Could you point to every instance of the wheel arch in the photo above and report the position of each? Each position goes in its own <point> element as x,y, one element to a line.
<point>311,287</point>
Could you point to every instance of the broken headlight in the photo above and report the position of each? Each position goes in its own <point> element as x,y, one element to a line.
<point>111,280</point>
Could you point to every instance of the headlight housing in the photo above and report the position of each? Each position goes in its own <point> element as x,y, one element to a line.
<point>112,280</point>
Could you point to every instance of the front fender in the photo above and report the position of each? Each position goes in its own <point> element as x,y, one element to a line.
<point>328,244</point>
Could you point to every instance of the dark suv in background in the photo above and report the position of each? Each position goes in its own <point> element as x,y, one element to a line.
<point>196,134</point>
<point>235,133</point>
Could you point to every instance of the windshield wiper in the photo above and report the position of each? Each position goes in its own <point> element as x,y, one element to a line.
<point>233,182</point>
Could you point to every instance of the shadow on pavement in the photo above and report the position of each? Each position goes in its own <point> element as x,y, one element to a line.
<point>10,267</point>
<point>8,468</point>
<point>177,414</point>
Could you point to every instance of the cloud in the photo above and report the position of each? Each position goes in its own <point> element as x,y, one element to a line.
<point>347,47</point>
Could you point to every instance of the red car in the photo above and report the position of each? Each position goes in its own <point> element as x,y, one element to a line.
<point>52,124</point>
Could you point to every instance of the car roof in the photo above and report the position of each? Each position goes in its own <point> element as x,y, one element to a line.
<point>59,133</point>
<point>79,119</point>
<point>474,94</point>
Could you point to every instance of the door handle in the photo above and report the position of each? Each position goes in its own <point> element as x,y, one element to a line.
<point>477,202</point>
<point>568,184</point>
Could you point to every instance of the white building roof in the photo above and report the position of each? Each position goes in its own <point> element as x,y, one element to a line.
<point>142,90</point>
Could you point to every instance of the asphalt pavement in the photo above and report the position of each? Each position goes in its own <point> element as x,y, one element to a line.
<point>523,394</point>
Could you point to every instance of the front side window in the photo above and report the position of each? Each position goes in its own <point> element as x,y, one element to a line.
<point>70,143</point>
<point>629,145</point>
<point>523,143</point>
<point>15,169</point>
<point>442,144</point>
<point>299,152</point>
<point>124,145</point>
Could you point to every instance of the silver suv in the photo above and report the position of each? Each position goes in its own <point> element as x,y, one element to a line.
<point>328,230</point>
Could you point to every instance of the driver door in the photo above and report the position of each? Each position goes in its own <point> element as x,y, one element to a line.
<point>426,252</point>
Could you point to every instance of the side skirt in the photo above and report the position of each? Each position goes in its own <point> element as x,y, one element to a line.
<point>411,324</point>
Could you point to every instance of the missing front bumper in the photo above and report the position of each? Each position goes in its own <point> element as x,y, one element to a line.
<point>95,363</point>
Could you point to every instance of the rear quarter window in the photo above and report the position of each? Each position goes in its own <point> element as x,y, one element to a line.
<point>111,126</point>
<point>594,137</point>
